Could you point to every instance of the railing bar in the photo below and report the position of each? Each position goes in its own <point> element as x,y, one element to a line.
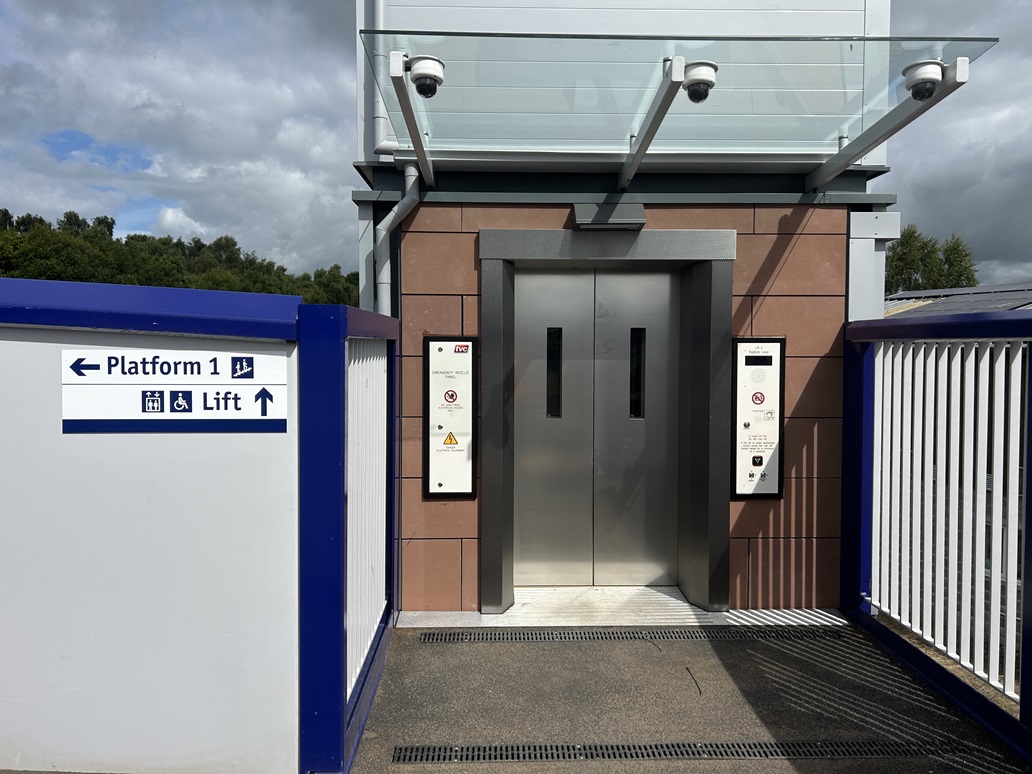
<point>979,490</point>
<point>999,430</point>
<point>1012,514</point>
<point>906,502</point>
<point>915,558</point>
<point>888,480</point>
<point>968,509</point>
<point>955,416</point>
<point>927,505</point>
<point>878,492</point>
<point>941,445</point>
<point>897,478</point>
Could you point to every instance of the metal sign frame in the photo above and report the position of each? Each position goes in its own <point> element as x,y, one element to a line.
<point>455,423</point>
<point>743,419</point>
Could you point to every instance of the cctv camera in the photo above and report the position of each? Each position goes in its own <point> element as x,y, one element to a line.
<point>426,74</point>
<point>922,78</point>
<point>699,78</point>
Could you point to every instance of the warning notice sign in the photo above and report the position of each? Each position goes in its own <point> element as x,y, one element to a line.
<point>449,417</point>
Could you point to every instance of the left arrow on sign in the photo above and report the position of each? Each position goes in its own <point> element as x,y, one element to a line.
<point>80,366</point>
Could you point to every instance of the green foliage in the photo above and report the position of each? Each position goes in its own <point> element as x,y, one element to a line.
<point>918,262</point>
<point>79,251</point>
<point>72,223</point>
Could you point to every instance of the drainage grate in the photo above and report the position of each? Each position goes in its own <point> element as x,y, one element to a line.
<point>450,636</point>
<point>519,753</point>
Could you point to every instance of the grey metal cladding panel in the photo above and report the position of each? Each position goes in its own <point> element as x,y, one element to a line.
<point>496,340</point>
<point>567,245</point>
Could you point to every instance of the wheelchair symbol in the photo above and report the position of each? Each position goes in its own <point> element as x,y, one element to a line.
<point>181,401</point>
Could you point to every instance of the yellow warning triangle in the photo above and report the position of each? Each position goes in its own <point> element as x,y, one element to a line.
<point>450,440</point>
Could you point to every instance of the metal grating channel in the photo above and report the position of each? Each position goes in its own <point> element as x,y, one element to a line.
<point>527,753</point>
<point>456,636</point>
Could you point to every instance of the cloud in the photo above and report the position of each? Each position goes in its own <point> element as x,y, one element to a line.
<point>234,117</point>
<point>964,166</point>
<point>174,221</point>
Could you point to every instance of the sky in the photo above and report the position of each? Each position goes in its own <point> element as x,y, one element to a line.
<point>185,118</point>
<point>200,118</point>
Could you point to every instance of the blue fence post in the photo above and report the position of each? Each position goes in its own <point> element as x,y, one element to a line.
<point>857,472</point>
<point>322,574</point>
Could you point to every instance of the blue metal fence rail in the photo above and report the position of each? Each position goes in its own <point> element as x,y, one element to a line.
<point>332,705</point>
<point>903,521</point>
<point>331,716</point>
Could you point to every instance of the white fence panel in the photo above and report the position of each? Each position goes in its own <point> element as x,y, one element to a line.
<point>365,477</point>
<point>948,476</point>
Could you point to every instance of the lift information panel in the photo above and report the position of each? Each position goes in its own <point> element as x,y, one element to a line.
<point>759,380</point>
<point>449,417</point>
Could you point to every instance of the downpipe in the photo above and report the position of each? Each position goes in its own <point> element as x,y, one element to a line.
<point>383,145</point>
<point>382,239</point>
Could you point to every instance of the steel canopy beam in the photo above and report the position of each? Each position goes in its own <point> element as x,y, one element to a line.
<point>955,76</point>
<point>399,79</point>
<point>673,77</point>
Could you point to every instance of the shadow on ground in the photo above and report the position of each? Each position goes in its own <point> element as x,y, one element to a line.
<point>837,688</point>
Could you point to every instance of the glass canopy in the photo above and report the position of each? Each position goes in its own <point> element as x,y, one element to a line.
<point>777,99</point>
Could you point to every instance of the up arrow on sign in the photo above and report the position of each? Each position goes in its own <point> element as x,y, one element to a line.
<point>266,398</point>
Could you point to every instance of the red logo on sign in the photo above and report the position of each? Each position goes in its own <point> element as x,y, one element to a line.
<point>461,349</point>
<point>757,398</point>
<point>451,396</point>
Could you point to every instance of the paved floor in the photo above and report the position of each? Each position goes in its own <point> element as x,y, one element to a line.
<point>767,684</point>
<point>613,606</point>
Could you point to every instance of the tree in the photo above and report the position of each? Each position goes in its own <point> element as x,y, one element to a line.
<point>916,261</point>
<point>23,224</point>
<point>72,223</point>
<point>960,269</point>
<point>80,251</point>
<point>105,224</point>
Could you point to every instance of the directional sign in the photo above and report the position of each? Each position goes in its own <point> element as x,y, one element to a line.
<point>173,391</point>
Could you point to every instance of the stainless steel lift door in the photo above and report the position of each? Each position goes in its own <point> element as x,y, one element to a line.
<point>595,492</point>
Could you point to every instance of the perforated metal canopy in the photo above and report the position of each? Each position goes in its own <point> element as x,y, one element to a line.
<point>592,103</point>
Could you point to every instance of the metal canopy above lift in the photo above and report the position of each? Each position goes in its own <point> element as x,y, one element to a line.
<point>809,106</point>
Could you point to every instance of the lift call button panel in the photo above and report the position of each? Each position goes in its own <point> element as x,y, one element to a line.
<point>759,383</point>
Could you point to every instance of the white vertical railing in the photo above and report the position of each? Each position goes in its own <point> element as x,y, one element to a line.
<point>949,433</point>
<point>366,489</point>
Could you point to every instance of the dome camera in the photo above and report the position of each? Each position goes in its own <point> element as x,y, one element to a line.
<point>699,78</point>
<point>426,74</point>
<point>922,78</point>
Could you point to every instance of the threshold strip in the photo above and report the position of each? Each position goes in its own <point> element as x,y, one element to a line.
<point>806,750</point>
<point>459,636</point>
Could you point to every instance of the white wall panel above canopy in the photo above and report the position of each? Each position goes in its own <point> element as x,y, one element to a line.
<point>635,17</point>
<point>539,100</point>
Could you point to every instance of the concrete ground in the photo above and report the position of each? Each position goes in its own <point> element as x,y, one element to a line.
<point>838,687</point>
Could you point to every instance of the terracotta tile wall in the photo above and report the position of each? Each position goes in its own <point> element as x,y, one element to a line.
<point>789,280</point>
<point>440,297</point>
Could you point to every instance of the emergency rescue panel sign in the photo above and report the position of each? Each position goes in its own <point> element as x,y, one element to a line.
<point>759,382</point>
<point>449,417</point>
<point>172,391</point>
